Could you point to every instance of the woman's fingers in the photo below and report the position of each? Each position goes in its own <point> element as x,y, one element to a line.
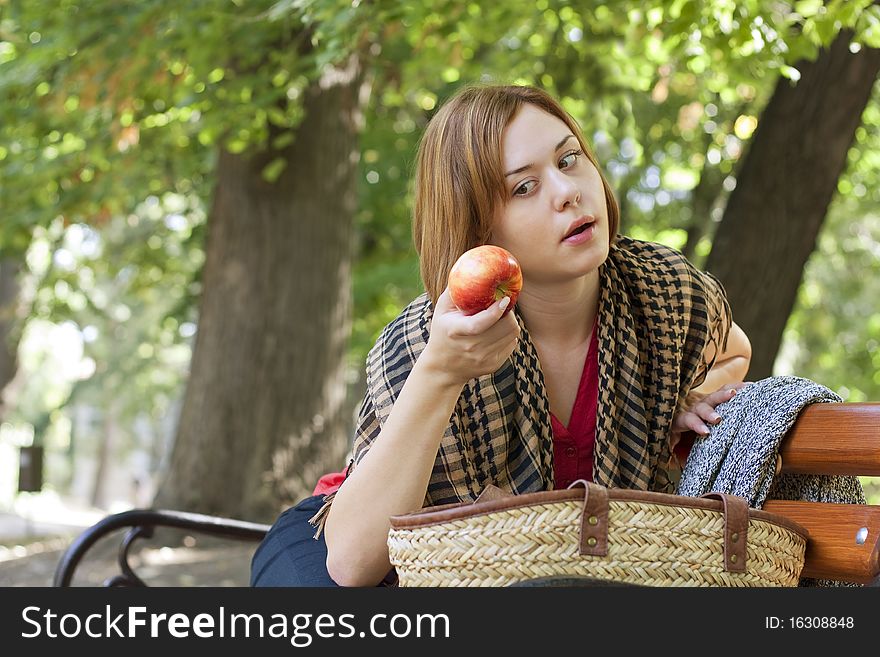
<point>706,411</point>
<point>473,345</point>
<point>484,320</point>
<point>696,423</point>
<point>705,408</point>
<point>689,421</point>
<point>724,394</point>
<point>719,396</point>
<point>703,413</point>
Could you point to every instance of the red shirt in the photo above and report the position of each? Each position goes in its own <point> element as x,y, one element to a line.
<point>330,483</point>
<point>573,445</point>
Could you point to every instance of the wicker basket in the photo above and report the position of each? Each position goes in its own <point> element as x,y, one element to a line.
<point>651,539</point>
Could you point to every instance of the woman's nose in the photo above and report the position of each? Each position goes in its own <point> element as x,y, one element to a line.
<point>565,192</point>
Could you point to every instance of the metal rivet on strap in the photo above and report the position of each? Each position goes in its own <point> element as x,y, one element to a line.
<point>591,541</point>
<point>732,558</point>
<point>734,537</point>
<point>593,520</point>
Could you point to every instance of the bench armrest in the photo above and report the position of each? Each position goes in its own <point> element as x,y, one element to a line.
<point>142,523</point>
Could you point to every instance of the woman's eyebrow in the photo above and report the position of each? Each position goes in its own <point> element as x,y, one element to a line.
<point>529,166</point>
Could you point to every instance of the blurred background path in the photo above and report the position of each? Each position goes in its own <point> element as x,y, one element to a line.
<point>33,537</point>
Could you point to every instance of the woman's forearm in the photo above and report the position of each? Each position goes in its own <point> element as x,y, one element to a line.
<point>391,479</point>
<point>730,370</point>
<point>730,366</point>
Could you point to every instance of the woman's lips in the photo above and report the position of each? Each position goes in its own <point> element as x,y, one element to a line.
<point>581,237</point>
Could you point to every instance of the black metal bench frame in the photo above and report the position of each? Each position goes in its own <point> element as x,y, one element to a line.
<point>142,523</point>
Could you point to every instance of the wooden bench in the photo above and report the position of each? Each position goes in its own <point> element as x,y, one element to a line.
<point>841,439</point>
<point>826,439</point>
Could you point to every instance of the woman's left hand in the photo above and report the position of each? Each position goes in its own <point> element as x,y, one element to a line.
<point>699,410</point>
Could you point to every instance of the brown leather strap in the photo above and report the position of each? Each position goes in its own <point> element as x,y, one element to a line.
<point>594,519</point>
<point>491,492</point>
<point>736,526</point>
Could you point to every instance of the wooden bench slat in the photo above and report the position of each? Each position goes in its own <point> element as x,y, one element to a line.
<point>834,439</point>
<point>832,550</point>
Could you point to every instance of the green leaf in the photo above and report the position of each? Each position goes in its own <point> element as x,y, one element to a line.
<point>790,72</point>
<point>272,171</point>
<point>808,8</point>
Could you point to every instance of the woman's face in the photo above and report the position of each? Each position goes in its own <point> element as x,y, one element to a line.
<point>555,219</point>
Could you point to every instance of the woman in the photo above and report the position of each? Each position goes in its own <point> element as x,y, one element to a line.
<point>613,350</point>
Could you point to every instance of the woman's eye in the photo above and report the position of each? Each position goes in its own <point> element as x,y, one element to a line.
<point>525,188</point>
<point>569,159</point>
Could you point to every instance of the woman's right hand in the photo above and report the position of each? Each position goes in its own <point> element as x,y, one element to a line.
<point>463,347</point>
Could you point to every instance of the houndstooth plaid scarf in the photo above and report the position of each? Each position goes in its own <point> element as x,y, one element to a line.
<point>657,315</point>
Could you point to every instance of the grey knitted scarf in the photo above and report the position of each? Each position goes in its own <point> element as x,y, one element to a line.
<point>739,454</point>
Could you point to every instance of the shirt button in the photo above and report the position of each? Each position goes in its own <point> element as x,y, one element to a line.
<point>570,451</point>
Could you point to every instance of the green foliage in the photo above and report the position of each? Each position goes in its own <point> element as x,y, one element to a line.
<point>104,103</point>
<point>140,312</point>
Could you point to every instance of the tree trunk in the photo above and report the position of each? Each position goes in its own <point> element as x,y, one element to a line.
<point>703,199</point>
<point>9,289</point>
<point>105,456</point>
<point>783,190</point>
<point>264,415</point>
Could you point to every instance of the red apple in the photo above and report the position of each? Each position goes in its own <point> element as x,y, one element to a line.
<point>482,276</point>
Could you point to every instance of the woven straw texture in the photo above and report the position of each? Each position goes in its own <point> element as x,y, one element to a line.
<point>648,544</point>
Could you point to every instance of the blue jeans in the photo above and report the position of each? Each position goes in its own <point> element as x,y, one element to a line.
<point>289,555</point>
